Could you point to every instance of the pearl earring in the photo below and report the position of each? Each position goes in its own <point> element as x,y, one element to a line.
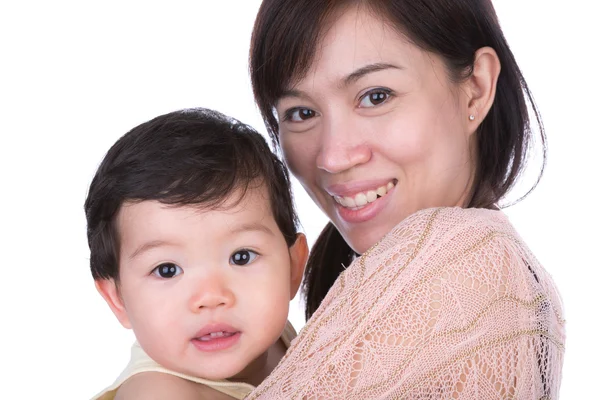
<point>471,117</point>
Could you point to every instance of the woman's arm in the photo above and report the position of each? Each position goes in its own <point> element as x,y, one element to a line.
<point>477,323</point>
<point>482,321</point>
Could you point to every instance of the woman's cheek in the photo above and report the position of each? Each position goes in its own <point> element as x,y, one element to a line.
<point>297,155</point>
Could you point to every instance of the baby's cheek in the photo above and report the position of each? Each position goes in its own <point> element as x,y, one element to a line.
<point>153,320</point>
<point>272,309</point>
<point>162,338</point>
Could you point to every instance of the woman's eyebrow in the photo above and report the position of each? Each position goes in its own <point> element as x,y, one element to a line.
<point>348,79</point>
<point>367,69</point>
<point>292,93</point>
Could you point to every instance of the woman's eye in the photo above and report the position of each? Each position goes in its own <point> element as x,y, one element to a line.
<point>299,114</point>
<point>242,257</point>
<point>374,98</point>
<point>167,270</point>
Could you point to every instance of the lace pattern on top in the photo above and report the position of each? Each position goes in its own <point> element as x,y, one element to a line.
<point>450,304</point>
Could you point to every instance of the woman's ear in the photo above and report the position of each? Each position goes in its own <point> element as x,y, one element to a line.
<point>298,257</point>
<point>480,87</point>
<point>110,292</point>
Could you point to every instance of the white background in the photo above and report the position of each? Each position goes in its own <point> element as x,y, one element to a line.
<point>76,76</point>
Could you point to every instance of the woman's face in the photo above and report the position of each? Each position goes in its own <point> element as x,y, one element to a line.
<point>376,130</point>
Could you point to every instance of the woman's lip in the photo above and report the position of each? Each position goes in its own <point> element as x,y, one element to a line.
<point>350,189</point>
<point>365,213</point>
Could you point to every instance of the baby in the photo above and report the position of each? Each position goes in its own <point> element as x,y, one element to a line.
<point>194,245</point>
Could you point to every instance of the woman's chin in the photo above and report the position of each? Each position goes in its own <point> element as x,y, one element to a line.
<point>361,236</point>
<point>361,240</point>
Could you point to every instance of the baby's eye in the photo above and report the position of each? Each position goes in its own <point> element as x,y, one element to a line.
<point>167,270</point>
<point>374,98</point>
<point>299,114</point>
<point>243,257</point>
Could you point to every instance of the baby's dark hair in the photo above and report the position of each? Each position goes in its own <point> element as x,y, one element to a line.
<point>195,157</point>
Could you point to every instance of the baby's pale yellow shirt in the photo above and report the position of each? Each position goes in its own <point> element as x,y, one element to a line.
<point>141,362</point>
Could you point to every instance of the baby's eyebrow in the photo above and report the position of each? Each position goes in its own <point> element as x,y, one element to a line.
<point>252,226</point>
<point>148,246</point>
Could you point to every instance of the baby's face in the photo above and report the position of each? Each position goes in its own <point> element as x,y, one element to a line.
<point>206,292</point>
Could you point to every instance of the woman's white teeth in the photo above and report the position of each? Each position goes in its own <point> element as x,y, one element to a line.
<point>348,202</point>
<point>360,199</point>
<point>371,196</point>
<point>363,198</point>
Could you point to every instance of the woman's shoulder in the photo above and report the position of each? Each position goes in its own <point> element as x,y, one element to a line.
<point>444,217</point>
<point>466,241</point>
<point>449,227</point>
<point>475,256</point>
<point>450,220</point>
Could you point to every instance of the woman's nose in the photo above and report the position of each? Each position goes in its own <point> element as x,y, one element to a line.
<point>211,293</point>
<point>342,148</point>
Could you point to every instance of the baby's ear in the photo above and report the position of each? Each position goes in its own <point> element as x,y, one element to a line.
<point>298,257</point>
<point>110,292</point>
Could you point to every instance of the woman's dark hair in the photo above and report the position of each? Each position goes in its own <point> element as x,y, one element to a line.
<point>286,37</point>
<point>194,157</point>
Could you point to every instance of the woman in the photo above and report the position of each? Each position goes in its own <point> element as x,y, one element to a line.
<point>406,121</point>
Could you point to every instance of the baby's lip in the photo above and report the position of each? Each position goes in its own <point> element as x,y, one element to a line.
<point>216,327</point>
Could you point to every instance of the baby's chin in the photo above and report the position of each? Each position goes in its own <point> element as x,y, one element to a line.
<point>217,374</point>
<point>213,367</point>
<point>213,370</point>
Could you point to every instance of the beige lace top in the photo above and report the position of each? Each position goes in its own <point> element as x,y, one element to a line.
<point>451,304</point>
